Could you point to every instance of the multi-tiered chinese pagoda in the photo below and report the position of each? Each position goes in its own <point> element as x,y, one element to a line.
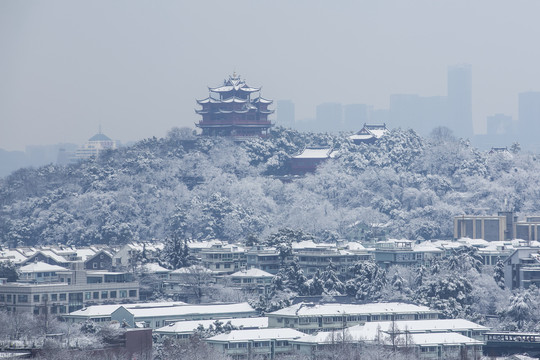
<point>234,109</point>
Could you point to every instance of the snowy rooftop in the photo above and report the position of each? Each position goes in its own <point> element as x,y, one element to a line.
<point>258,335</point>
<point>189,326</point>
<point>191,310</point>
<point>316,153</point>
<point>41,267</point>
<point>203,244</point>
<point>153,268</point>
<point>12,255</point>
<point>107,310</point>
<point>193,269</point>
<point>419,339</point>
<point>309,309</point>
<point>439,325</point>
<point>253,272</point>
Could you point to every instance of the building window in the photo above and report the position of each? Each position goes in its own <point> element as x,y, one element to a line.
<point>36,298</point>
<point>123,293</point>
<point>2,297</point>
<point>94,265</point>
<point>54,297</point>
<point>22,298</point>
<point>113,294</point>
<point>132,293</point>
<point>87,295</point>
<point>63,297</point>
<point>104,294</point>
<point>95,295</point>
<point>62,309</point>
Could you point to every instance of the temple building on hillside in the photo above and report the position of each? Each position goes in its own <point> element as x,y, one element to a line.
<point>369,134</point>
<point>234,109</point>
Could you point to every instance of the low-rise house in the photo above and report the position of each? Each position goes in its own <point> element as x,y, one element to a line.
<point>309,317</point>
<point>224,258</point>
<point>130,255</point>
<point>313,257</point>
<point>186,329</point>
<point>265,258</point>
<point>248,344</point>
<point>188,283</point>
<point>522,268</point>
<point>40,272</point>
<point>254,281</point>
<point>396,252</point>
<point>158,317</point>
<point>101,260</point>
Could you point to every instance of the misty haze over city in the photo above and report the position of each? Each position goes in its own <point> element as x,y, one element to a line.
<point>136,68</point>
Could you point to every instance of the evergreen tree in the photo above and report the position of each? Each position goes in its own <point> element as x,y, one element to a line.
<point>498,274</point>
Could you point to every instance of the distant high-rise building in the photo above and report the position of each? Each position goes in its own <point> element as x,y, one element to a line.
<point>529,119</point>
<point>329,117</point>
<point>405,111</point>
<point>499,124</point>
<point>354,116</point>
<point>460,100</point>
<point>285,113</point>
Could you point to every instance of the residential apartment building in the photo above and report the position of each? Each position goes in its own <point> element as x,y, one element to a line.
<point>158,317</point>
<point>260,343</point>
<point>224,258</point>
<point>265,258</point>
<point>64,291</point>
<point>522,268</point>
<point>310,317</point>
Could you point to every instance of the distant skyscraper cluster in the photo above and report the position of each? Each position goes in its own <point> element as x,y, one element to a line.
<point>424,113</point>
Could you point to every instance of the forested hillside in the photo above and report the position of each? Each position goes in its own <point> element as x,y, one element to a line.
<point>201,188</point>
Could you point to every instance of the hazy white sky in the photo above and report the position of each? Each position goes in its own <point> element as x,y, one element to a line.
<point>136,67</point>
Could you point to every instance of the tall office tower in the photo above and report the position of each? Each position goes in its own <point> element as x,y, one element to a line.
<point>285,113</point>
<point>460,100</point>
<point>404,111</point>
<point>329,117</point>
<point>529,119</point>
<point>354,116</point>
<point>499,124</point>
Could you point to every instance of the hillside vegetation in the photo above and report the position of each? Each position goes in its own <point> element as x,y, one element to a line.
<point>201,188</point>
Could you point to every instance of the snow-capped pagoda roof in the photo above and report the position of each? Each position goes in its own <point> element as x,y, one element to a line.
<point>234,83</point>
<point>190,325</point>
<point>262,100</point>
<point>253,272</point>
<point>370,131</point>
<point>258,334</point>
<point>310,309</point>
<point>316,153</point>
<point>41,267</point>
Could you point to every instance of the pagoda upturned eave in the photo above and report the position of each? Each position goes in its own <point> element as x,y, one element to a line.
<point>262,100</point>
<point>228,88</point>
